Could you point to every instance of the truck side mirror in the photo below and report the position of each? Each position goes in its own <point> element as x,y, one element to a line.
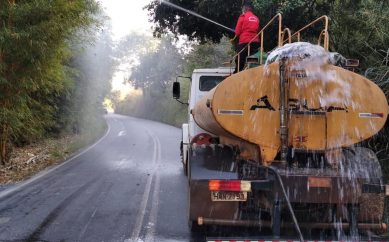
<point>176,90</point>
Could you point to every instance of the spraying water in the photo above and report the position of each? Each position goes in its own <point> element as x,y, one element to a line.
<point>311,80</point>
<point>194,14</point>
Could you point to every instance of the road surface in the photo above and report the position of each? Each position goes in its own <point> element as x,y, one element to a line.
<point>129,186</point>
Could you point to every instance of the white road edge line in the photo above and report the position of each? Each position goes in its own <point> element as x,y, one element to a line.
<point>146,194</point>
<point>46,172</point>
<point>150,234</point>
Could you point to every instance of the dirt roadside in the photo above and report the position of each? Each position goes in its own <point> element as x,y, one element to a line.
<point>29,160</point>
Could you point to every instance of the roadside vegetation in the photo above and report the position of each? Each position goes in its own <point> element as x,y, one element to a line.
<point>55,70</point>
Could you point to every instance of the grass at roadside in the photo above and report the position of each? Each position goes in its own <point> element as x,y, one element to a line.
<point>90,136</point>
<point>31,159</point>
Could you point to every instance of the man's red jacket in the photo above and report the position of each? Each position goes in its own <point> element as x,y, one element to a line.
<point>247,27</point>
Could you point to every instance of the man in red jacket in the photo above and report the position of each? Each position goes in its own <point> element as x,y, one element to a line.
<point>246,29</point>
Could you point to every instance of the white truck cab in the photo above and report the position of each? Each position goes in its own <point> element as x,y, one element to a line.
<point>202,81</point>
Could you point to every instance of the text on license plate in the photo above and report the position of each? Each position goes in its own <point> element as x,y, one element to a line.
<point>217,196</point>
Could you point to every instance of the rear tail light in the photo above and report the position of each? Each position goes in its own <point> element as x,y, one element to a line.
<point>229,185</point>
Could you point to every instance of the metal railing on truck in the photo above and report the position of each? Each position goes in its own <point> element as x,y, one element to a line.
<point>285,36</point>
<point>324,35</point>
<point>278,17</point>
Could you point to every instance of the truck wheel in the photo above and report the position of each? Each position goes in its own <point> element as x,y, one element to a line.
<point>362,162</point>
<point>195,228</point>
<point>185,164</point>
<point>184,169</point>
<point>371,208</point>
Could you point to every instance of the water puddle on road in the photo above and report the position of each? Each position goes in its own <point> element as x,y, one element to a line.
<point>4,220</point>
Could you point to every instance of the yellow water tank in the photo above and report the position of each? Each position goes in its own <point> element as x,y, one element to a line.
<point>328,107</point>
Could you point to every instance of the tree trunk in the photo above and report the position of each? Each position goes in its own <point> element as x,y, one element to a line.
<point>3,144</point>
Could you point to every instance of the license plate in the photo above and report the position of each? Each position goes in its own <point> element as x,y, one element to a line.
<point>223,196</point>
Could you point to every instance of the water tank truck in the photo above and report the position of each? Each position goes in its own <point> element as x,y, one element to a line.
<point>277,145</point>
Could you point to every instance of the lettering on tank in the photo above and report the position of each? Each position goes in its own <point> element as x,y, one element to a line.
<point>295,105</point>
<point>262,103</point>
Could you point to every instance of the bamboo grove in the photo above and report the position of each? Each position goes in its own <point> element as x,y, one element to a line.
<point>40,42</point>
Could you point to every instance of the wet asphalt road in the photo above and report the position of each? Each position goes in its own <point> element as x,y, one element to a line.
<point>129,186</point>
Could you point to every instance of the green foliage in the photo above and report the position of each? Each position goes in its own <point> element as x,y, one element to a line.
<point>208,55</point>
<point>34,38</point>
<point>167,19</point>
<point>154,76</point>
<point>158,106</point>
<point>359,29</point>
<point>380,74</point>
<point>157,67</point>
<point>296,13</point>
<point>131,47</point>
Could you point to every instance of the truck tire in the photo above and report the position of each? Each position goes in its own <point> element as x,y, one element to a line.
<point>185,164</point>
<point>195,228</point>
<point>362,162</point>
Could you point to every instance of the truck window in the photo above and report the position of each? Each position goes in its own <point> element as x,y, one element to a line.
<point>209,82</point>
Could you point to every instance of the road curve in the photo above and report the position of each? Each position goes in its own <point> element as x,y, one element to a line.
<point>129,186</point>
